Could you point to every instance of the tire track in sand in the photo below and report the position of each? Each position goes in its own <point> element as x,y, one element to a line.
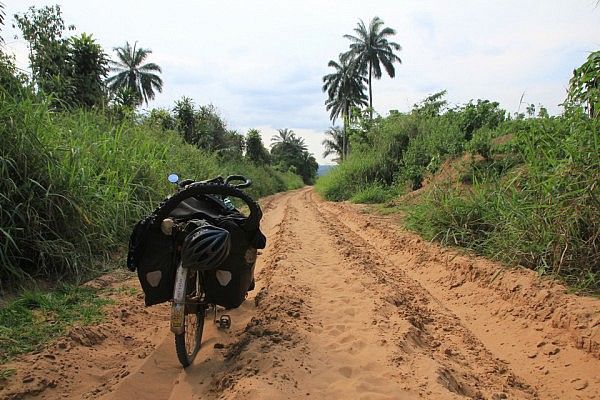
<point>341,310</point>
<point>330,323</point>
<point>543,334</point>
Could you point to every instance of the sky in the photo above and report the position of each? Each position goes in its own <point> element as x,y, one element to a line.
<point>261,63</point>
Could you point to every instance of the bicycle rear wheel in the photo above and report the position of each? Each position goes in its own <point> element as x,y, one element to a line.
<point>187,343</point>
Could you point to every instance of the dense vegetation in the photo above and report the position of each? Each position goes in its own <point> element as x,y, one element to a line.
<point>79,164</point>
<point>520,188</point>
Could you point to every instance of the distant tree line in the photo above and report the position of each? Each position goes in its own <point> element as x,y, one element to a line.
<point>203,127</point>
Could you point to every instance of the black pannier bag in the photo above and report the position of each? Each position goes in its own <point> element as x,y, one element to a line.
<point>152,254</point>
<point>228,284</point>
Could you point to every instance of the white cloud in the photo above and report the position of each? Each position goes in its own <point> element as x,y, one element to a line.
<point>261,62</point>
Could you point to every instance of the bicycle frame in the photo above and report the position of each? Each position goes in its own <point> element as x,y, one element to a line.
<point>178,306</point>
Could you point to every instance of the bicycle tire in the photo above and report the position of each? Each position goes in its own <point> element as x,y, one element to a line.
<point>185,348</point>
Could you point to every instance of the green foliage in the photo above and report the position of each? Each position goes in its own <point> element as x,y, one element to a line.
<point>351,176</point>
<point>185,120</point>
<point>335,143</point>
<point>43,29</point>
<point>432,106</point>
<point>374,193</point>
<point>289,153</point>
<point>6,373</point>
<point>533,197</point>
<point>10,78</point>
<point>71,70</point>
<point>255,149</point>
<point>74,183</point>
<point>140,81</point>
<point>203,127</point>
<point>89,68</point>
<point>543,214</point>
<point>482,114</point>
<point>211,129</point>
<point>402,148</point>
<point>35,317</point>
<point>162,118</point>
<point>584,86</point>
<point>345,90</point>
<point>481,143</point>
<point>232,145</point>
<point>370,49</point>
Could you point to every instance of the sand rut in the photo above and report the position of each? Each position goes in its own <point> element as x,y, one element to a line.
<point>349,307</point>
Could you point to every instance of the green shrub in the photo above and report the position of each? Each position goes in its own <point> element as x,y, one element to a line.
<point>373,193</point>
<point>533,200</point>
<point>544,214</point>
<point>481,143</point>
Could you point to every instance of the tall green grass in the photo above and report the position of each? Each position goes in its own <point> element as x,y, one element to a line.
<point>72,184</point>
<point>543,214</point>
<point>530,194</point>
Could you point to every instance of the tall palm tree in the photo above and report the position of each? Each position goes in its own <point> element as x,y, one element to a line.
<point>370,49</point>
<point>283,136</point>
<point>132,75</point>
<point>2,14</point>
<point>299,143</point>
<point>334,145</point>
<point>286,138</point>
<point>345,90</point>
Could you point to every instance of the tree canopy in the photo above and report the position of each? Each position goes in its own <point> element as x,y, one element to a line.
<point>131,74</point>
<point>370,49</point>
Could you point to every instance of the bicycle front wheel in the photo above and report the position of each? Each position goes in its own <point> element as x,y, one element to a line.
<point>187,343</point>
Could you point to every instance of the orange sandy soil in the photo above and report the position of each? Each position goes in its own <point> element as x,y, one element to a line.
<point>347,306</point>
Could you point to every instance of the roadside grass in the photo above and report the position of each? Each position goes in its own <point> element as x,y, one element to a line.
<point>35,317</point>
<point>348,178</point>
<point>390,207</point>
<point>73,184</point>
<point>528,194</point>
<point>6,373</point>
<point>373,193</point>
<point>542,214</point>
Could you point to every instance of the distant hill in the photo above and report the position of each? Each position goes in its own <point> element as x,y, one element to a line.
<point>323,169</point>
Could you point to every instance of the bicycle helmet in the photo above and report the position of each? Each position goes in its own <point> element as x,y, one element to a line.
<point>205,248</point>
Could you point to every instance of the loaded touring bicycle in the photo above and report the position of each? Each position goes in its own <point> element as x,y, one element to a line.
<point>199,251</point>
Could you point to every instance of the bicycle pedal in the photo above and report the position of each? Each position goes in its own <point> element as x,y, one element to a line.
<point>225,322</point>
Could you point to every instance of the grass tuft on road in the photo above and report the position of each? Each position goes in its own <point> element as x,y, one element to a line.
<point>35,317</point>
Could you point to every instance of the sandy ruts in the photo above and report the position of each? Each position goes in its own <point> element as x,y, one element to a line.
<point>347,306</point>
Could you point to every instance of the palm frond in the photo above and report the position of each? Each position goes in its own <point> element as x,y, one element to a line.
<point>133,76</point>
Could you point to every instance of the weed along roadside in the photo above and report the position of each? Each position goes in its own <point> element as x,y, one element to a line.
<point>36,317</point>
<point>519,190</point>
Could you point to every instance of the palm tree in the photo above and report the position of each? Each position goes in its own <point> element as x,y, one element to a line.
<point>283,136</point>
<point>370,48</point>
<point>287,139</point>
<point>336,144</point>
<point>131,74</point>
<point>345,90</point>
<point>299,143</point>
<point>2,14</point>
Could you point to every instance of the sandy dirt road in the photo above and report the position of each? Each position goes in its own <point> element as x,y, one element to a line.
<point>347,306</point>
